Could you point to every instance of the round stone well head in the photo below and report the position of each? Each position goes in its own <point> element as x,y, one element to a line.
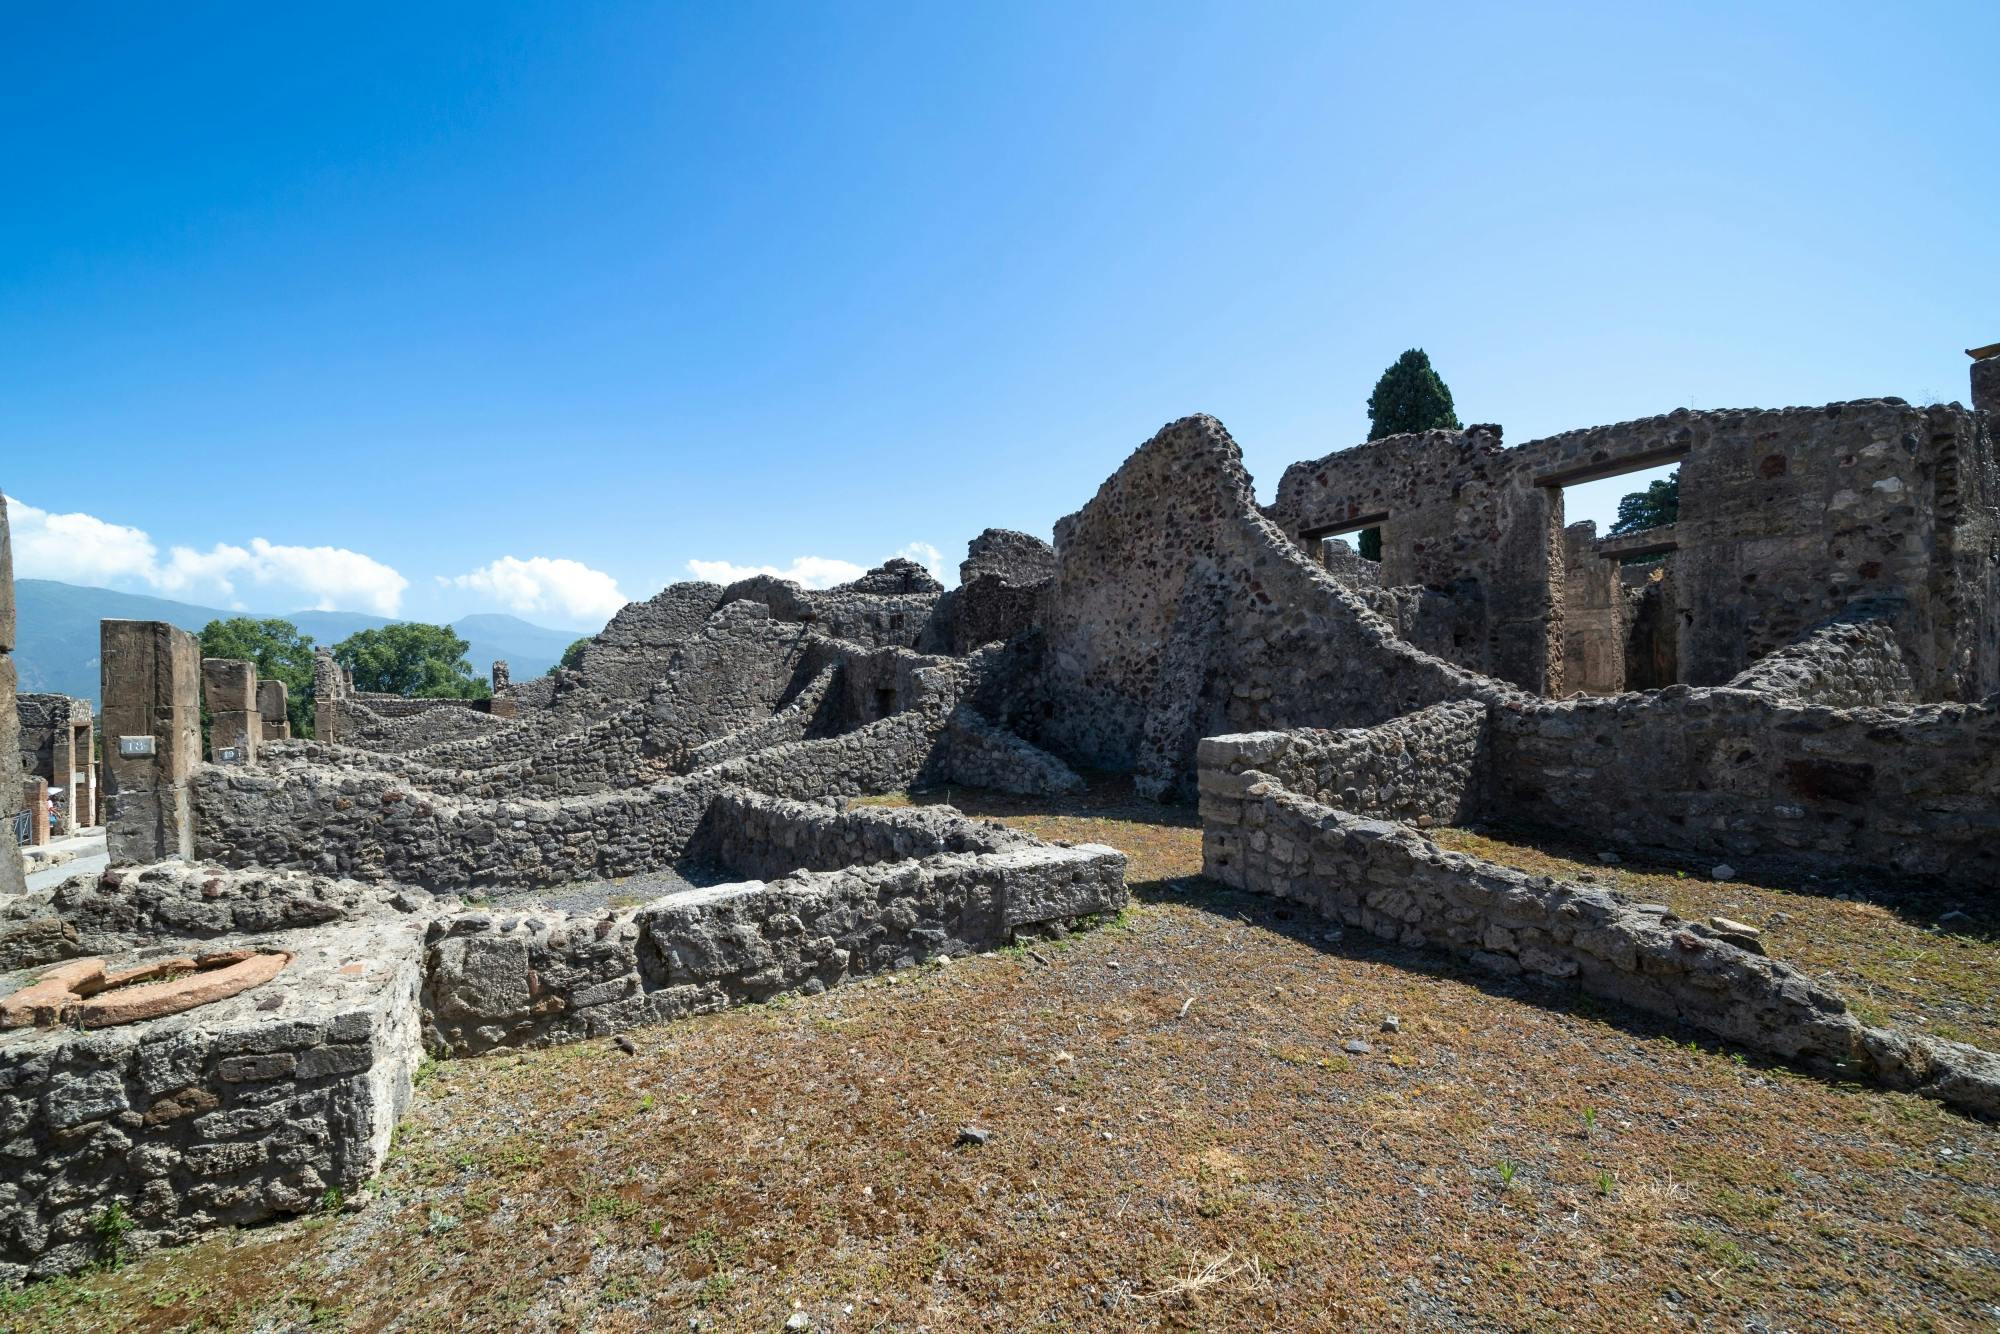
<point>84,993</point>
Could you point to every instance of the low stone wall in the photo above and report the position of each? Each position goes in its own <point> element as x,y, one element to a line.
<point>1393,882</point>
<point>1424,767</point>
<point>749,834</point>
<point>1852,661</point>
<point>529,981</point>
<point>232,1113</point>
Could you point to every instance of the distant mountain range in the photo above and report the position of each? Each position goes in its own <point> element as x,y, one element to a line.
<point>57,651</point>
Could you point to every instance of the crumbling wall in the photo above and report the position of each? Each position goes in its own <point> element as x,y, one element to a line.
<point>1181,612</point>
<point>123,910</point>
<point>1460,512</point>
<point>624,659</point>
<point>1015,558</point>
<point>1786,516</point>
<point>1428,767</point>
<point>1391,881</point>
<point>1851,661</point>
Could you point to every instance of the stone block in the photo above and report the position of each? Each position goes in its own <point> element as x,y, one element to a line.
<point>229,685</point>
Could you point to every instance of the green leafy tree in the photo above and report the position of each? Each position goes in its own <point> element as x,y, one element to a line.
<point>1657,505</point>
<point>572,657</point>
<point>1410,396</point>
<point>280,652</point>
<point>412,659</point>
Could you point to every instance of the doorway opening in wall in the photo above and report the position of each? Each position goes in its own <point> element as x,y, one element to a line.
<point>1620,621</point>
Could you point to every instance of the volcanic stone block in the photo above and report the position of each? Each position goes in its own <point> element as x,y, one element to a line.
<point>229,685</point>
<point>152,738</point>
<point>274,708</point>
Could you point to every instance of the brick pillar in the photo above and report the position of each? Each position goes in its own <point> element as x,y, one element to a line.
<point>274,710</point>
<point>12,880</point>
<point>152,739</point>
<point>35,797</point>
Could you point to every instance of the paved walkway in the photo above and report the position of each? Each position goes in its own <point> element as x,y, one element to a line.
<point>89,860</point>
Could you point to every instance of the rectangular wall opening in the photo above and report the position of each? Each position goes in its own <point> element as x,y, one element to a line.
<point>1620,620</point>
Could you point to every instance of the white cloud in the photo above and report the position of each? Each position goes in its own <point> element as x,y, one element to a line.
<point>926,555</point>
<point>82,549</point>
<point>806,571</point>
<point>546,584</point>
<point>77,548</point>
<point>814,571</point>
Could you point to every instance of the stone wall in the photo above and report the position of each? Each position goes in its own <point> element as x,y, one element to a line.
<point>1392,882</point>
<point>12,878</point>
<point>520,980</point>
<point>1852,661</point>
<point>239,1111</point>
<point>1014,558</point>
<point>1181,612</point>
<point>1786,516</point>
<point>1736,775</point>
<point>1428,767</point>
<point>747,833</point>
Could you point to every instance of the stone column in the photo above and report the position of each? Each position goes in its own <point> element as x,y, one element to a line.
<point>274,708</point>
<point>11,875</point>
<point>229,688</point>
<point>152,739</point>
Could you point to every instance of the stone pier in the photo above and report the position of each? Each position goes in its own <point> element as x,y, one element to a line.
<point>274,704</point>
<point>229,687</point>
<point>1986,379</point>
<point>152,739</point>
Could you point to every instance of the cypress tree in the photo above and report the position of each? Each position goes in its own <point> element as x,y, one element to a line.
<point>1410,396</point>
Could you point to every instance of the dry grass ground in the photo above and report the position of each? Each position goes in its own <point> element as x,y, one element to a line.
<point>1179,1140</point>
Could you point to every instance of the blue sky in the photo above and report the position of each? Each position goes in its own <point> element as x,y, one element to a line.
<point>433,309</point>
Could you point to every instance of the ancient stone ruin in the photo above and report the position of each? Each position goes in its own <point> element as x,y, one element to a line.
<point>1805,673</point>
